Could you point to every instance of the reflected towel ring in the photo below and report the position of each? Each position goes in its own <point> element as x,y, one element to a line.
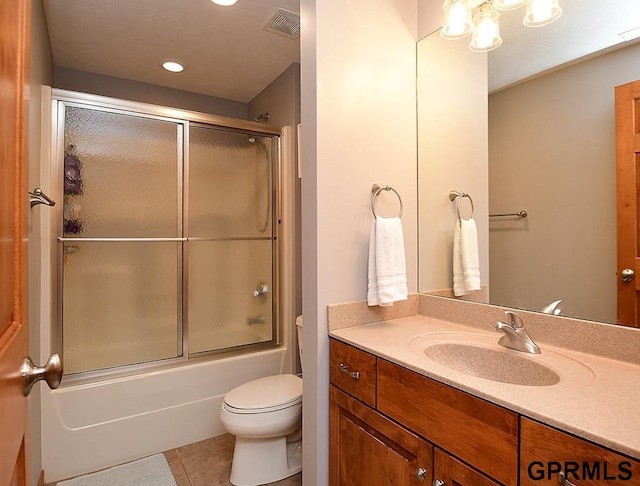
<point>460,195</point>
<point>376,189</point>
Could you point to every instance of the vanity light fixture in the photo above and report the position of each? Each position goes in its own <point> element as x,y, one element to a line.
<point>224,3</point>
<point>173,66</point>
<point>459,20</point>
<point>486,35</point>
<point>541,12</point>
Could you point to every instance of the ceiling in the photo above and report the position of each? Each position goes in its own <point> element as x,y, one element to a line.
<point>226,50</point>
<point>585,27</point>
<point>229,55</point>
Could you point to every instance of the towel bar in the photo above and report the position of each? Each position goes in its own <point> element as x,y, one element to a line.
<point>519,214</point>
<point>376,189</point>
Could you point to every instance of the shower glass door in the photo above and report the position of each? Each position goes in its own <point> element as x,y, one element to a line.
<point>167,242</point>
<point>121,251</point>
<point>231,239</point>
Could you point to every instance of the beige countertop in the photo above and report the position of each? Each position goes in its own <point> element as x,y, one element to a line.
<point>596,398</point>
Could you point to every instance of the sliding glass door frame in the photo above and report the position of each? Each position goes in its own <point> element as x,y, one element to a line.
<point>184,120</point>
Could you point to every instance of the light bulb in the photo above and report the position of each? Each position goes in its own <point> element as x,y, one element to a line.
<point>487,29</point>
<point>457,16</point>
<point>541,12</point>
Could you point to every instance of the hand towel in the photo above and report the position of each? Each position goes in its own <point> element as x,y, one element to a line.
<point>466,263</point>
<point>387,265</point>
<point>469,250</point>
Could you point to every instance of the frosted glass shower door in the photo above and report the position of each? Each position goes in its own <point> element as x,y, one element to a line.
<point>121,247</point>
<point>231,240</point>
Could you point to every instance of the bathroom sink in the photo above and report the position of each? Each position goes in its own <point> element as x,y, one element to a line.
<point>492,364</point>
<point>479,355</point>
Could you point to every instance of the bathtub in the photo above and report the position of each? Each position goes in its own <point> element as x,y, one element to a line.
<point>93,426</point>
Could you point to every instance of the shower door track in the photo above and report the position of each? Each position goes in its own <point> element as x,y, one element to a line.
<point>130,240</point>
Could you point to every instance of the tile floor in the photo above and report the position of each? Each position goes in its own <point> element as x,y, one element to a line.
<point>208,463</point>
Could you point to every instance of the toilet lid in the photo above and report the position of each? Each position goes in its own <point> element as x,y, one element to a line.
<point>265,394</point>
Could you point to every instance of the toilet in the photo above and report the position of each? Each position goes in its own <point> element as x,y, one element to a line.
<point>265,415</point>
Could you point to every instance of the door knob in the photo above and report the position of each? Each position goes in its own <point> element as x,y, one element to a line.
<point>51,373</point>
<point>627,275</point>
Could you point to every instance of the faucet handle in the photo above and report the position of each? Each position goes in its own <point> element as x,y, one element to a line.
<point>515,321</point>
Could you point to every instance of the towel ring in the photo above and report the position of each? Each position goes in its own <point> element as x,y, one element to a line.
<point>376,189</point>
<point>460,195</point>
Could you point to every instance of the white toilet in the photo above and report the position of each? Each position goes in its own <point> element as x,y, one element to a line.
<point>265,415</point>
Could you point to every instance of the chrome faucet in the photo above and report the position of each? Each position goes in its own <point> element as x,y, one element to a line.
<point>515,335</point>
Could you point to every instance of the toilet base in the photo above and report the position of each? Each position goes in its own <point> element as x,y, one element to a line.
<point>260,461</point>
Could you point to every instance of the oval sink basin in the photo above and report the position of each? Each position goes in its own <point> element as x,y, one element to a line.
<point>492,364</point>
<point>478,355</point>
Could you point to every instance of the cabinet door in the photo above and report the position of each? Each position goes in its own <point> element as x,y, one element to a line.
<point>453,472</point>
<point>547,453</point>
<point>368,449</point>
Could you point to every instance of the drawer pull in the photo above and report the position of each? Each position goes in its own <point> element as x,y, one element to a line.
<point>353,374</point>
<point>563,480</point>
<point>438,482</point>
<point>421,473</point>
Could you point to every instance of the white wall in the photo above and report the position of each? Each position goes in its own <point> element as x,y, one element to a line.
<point>358,128</point>
<point>559,163</point>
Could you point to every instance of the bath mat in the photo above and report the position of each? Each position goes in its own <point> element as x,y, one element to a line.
<point>150,471</point>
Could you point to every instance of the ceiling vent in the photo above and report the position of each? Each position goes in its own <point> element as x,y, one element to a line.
<point>284,23</point>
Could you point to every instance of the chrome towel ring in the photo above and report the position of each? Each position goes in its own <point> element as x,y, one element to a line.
<point>376,189</point>
<point>460,195</point>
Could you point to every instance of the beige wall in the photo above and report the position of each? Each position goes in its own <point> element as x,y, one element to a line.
<point>41,73</point>
<point>358,128</point>
<point>126,89</point>
<point>452,154</point>
<point>552,152</point>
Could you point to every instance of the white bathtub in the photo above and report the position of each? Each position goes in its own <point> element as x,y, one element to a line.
<point>93,426</point>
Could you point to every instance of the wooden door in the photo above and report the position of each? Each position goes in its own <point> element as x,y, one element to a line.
<point>366,448</point>
<point>14,84</point>
<point>453,472</point>
<point>628,183</point>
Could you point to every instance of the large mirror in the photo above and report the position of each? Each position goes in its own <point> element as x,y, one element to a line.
<point>542,141</point>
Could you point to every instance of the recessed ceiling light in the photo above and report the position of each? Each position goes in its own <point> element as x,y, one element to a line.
<point>173,66</point>
<point>224,3</point>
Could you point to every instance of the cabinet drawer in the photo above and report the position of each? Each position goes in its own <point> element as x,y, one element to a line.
<point>546,451</point>
<point>478,432</point>
<point>353,371</point>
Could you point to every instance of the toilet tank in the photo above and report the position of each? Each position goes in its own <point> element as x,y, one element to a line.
<point>299,329</point>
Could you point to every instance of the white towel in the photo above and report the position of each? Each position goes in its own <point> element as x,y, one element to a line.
<point>466,264</point>
<point>387,266</point>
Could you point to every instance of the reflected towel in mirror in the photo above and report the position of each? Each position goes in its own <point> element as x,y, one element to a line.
<point>466,263</point>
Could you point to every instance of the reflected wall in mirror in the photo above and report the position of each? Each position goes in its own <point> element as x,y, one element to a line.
<point>550,151</point>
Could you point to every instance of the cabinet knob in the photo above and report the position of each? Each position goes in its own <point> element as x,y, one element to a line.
<point>421,473</point>
<point>438,482</point>
<point>353,374</point>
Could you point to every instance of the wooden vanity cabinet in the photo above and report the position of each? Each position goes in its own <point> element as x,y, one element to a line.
<point>545,451</point>
<point>388,439</point>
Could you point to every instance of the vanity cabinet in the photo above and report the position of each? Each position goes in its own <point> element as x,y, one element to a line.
<point>545,453</point>
<point>411,426</point>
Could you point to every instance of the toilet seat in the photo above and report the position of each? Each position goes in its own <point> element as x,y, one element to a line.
<point>263,395</point>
